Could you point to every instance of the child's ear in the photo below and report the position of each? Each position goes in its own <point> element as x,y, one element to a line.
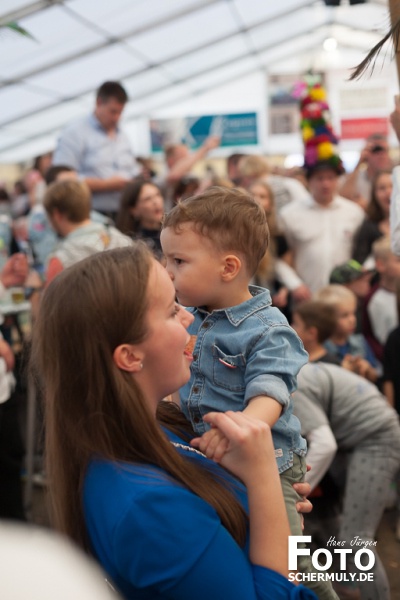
<point>128,357</point>
<point>231,268</point>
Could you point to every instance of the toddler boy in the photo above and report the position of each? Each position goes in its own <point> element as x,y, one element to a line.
<point>246,356</point>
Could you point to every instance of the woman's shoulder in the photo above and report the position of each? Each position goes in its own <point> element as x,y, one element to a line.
<point>118,496</point>
<point>124,482</point>
<point>112,488</point>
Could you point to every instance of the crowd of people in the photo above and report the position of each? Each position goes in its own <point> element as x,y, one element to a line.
<point>174,318</point>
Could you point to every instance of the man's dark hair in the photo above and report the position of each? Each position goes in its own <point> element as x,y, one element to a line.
<point>336,166</point>
<point>112,89</point>
<point>53,172</point>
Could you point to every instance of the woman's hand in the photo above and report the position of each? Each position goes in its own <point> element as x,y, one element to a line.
<point>249,450</point>
<point>303,506</point>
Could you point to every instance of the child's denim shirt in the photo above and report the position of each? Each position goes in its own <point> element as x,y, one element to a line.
<point>242,352</point>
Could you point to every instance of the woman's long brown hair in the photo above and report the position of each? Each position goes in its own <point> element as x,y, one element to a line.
<point>91,407</point>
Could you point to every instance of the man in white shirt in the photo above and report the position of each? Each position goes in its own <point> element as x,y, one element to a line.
<point>320,230</point>
<point>98,150</point>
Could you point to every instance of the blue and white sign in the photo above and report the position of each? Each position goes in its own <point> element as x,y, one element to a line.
<point>234,130</point>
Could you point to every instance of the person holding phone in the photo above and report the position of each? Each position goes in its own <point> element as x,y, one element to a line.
<point>374,157</point>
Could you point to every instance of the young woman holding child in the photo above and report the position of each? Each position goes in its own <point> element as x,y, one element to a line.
<point>127,481</point>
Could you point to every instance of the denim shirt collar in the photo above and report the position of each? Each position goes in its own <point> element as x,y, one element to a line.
<point>236,314</point>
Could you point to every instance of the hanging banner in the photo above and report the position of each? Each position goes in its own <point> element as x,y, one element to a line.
<point>234,130</point>
<point>353,129</point>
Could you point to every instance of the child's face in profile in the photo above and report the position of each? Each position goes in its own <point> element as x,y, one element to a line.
<point>345,317</point>
<point>383,191</point>
<point>194,265</point>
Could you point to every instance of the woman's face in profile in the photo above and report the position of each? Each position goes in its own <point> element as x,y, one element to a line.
<point>383,191</point>
<point>149,208</point>
<point>166,361</point>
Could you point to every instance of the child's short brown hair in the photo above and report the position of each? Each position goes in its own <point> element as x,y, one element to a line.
<point>335,293</point>
<point>315,313</point>
<point>230,218</point>
<point>71,198</point>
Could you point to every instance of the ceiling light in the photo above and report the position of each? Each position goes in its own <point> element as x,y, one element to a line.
<point>330,44</point>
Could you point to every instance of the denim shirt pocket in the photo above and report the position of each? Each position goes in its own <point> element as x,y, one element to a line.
<point>228,371</point>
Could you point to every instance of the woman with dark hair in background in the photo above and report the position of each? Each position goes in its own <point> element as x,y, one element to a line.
<point>140,214</point>
<point>376,223</point>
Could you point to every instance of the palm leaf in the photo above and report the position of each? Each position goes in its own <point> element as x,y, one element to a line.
<point>14,27</point>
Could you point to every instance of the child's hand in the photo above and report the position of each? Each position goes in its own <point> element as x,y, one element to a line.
<point>365,369</point>
<point>349,363</point>
<point>250,454</point>
<point>214,444</point>
<point>361,366</point>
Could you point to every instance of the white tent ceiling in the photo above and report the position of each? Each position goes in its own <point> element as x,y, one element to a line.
<point>161,50</point>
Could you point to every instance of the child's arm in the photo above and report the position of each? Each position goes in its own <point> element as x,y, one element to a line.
<point>268,391</point>
<point>265,408</point>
